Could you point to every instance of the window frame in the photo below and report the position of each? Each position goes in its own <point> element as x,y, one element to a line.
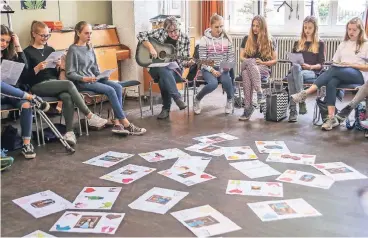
<point>291,27</point>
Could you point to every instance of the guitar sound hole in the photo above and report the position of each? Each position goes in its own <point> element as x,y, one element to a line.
<point>162,55</point>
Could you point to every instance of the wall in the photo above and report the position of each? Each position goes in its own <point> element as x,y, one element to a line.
<point>131,17</point>
<point>70,13</point>
<point>195,19</point>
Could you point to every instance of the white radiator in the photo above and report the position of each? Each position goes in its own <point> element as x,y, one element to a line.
<point>285,45</point>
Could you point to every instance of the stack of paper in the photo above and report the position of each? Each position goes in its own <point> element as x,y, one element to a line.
<point>272,146</point>
<point>252,188</point>
<point>215,138</point>
<point>307,179</point>
<point>128,174</point>
<point>239,153</point>
<point>108,159</point>
<point>291,158</point>
<point>339,171</point>
<point>208,149</point>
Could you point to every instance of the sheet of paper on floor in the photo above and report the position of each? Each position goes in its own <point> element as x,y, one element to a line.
<point>199,163</point>
<point>306,179</point>
<point>108,159</point>
<point>267,147</point>
<point>254,188</point>
<point>158,200</point>
<point>38,234</point>
<point>43,203</point>
<point>160,155</point>
<point>88,222</point>
<point>239,153</point>
<point>255,169</point>
<point>188,177</point>
<point>283,209</point>
<point>208,149</point>
<point>291,158</point>
<point>215,138</point>
<point>339,171</point>
<point>128,174</point>
<point>96,198</point>
<point>205,221</point>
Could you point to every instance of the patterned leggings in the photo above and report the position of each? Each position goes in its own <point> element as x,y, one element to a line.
<point>251,75</point>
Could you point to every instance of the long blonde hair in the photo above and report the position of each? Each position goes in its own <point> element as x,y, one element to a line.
<point>214,18</point>
<point>34,28</point>
<point>264,40</point>
<point>361,37</point>
<point>314,47</point>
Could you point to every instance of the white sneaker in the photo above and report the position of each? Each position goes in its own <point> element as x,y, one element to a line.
<point>70,138</point>
<point>229,106</point>
<point>96,121</point>
<point>197,106</point>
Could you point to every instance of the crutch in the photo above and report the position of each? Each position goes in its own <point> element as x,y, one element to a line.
<point>44,117</point>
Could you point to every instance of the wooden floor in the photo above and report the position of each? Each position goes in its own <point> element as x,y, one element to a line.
<point>66,175</point>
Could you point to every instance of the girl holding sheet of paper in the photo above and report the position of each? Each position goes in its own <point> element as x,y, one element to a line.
<point>216,45</point>
<point>257,53</point>
<point>313,52</point>
<point>12,51</point>
<point>44,81</point>
<point>82,68</point>
<point>349,68</point>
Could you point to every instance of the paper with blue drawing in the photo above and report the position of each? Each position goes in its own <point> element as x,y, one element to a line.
<point>205,221</point>
<point>306,179</point>
<point>88,222</point>
<point>158,200</point>
<point>96,198</point>
<point>43,203</point>
<point>283,209</point>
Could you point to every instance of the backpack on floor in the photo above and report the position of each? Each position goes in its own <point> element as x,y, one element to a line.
<point>10,139</point>
<point>359,115</point>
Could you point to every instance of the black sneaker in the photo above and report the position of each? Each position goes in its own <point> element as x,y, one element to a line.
<point>134,130</point>
<point>28,151</point>
<point>41,104</point>
<point>344,113</point>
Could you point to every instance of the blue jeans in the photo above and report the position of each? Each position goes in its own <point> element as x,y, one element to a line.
<point>296,78</point>
<point>112,90</point>
<point>25,113</point>
<point>212,83</point>
<point>166,79</point>
<point>336,76</point>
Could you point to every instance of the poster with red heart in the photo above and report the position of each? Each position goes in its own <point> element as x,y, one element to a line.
<point>128,174</point>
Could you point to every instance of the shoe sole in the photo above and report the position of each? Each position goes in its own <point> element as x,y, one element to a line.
<point>329,129</point>
<point>244,119</point>
<point>137,134</point>
<point>161,118</point>
<point>121,132</point>
<point>182,108</point>
<point>29,156</point>
<point>291,121</point>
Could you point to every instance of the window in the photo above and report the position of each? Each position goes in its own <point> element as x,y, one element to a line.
<point>240,14</point>
<point>346,10</point>
<point>275,16</point>
<point>332,15</point>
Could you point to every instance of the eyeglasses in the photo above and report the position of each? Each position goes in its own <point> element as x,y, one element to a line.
<point>176,31</point>
<point>44,36</point>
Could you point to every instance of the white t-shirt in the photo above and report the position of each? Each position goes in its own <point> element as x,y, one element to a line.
<point>346,52</point>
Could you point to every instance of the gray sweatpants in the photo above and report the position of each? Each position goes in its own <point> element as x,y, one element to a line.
<point>66,91</point>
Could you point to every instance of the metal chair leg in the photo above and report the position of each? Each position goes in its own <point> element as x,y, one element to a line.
<point>37,126</point>
<point>140,100</point>
<point>79,122</point>
<point>42,133</point>
<point>151,99</point>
